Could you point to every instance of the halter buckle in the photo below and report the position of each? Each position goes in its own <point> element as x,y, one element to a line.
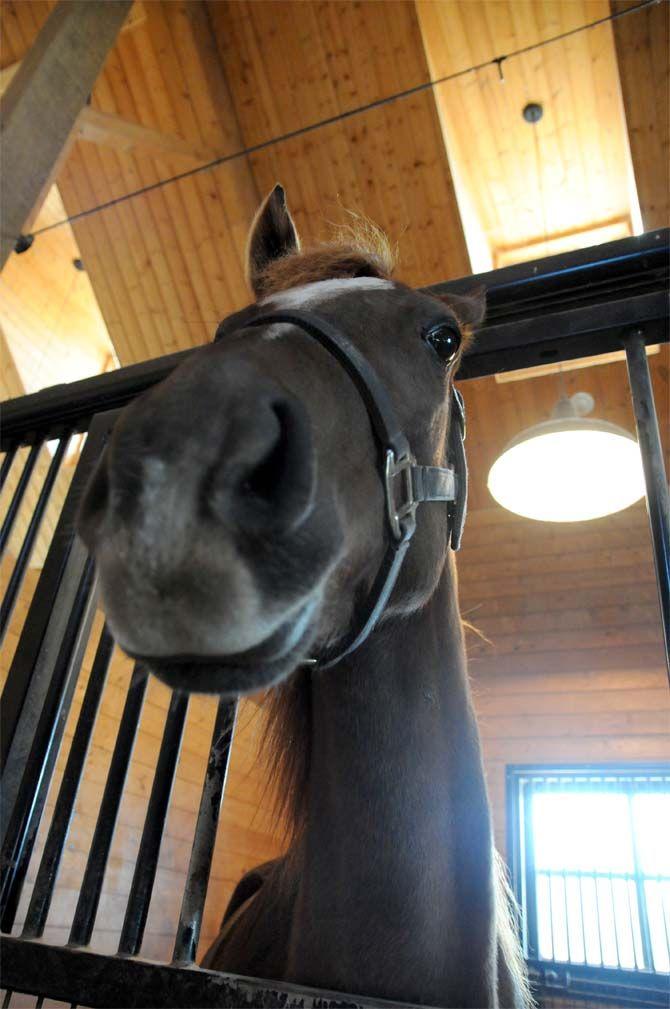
<point>400,510</point>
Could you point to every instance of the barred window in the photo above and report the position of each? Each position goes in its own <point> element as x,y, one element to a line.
<point>590,856</point>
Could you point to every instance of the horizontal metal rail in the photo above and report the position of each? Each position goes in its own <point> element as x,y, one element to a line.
<point>573,305</point>
<point>607,984</point>
<point>38,968</point>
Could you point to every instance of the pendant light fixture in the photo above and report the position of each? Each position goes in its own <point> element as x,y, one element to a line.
<point>570,468</point>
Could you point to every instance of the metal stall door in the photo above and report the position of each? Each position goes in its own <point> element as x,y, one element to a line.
<point>589,302</point>
<point>37,698</point>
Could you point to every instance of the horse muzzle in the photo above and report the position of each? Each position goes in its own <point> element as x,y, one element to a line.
<point>202,521</point>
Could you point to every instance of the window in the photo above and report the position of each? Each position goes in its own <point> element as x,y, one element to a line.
<point>590,855</point>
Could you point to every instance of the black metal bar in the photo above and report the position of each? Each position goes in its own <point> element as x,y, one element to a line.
<point>564,881</point>
<point>613,787</point>
<point>89,894</point>
<point>582,917</point>
<point>45,689</point>
<point>642,916</point>
<point>10,455</point>
<point>15,503</point>
<point>565,334</point>
<point>609,986</point>
<point>96,980</point>
<point>147,859</point>
<point>32,792</point>
<point>40,899</point>
<point>530,907</point>
<point>195,891</point>
<point>16,578</point>
<point>658,499</point>
<point>584,299</point>
<point>30,674</point>
<point>7,999</point>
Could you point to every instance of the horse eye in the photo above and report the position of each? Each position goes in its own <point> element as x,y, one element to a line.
<point>445,339</point>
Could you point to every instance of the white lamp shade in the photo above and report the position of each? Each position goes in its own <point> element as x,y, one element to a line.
<point>568,470</point>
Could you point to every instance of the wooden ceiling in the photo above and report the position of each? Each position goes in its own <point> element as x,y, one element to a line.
<point>186,81</point>
<point>55,301</point>
<point>643,51</point>
<point>527,182</point>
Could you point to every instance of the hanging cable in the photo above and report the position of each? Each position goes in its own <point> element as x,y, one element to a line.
<point>23,242</point>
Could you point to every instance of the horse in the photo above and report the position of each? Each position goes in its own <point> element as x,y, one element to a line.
<point>252,529</point>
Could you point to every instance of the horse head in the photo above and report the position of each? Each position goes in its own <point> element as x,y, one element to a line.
<point>238,515</point>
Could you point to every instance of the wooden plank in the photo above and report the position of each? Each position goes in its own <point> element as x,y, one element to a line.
<point>569,702</point>
<point>572,683</point>
<point>561,563</point>
<point>608,657</point>
<point>388,163</point>
<point>643,53</point>
<point>133,138</point>
<point>44,98</point>
<point>595,748</point>
<point>525,183</point>
<point>607,724</point>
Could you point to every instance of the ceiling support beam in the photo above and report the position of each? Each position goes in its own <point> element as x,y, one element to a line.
<point>133,138</point>
<point>44,98</point>
<point>123,135</point>
<point>643,54</point>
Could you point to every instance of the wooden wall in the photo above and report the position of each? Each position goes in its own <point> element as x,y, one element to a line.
<point>246,836</point>
<point>573,669</point>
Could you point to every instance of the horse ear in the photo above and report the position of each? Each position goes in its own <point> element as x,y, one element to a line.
<point>272,234</point>
<point>469,308</point>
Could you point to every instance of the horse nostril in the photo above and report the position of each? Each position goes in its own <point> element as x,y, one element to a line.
<point>277,492</point>
<point>264,479</point>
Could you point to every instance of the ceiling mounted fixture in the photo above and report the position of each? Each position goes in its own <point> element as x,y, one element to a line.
<point>532,112</point>
<point>570,468</point>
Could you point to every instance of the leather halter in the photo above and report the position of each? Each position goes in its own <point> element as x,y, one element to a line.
<point>406,484</point>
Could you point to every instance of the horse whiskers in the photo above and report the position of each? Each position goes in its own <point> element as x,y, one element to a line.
<point>476,631</point>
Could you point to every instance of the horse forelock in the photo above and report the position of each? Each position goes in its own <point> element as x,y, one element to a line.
<point>360,249</point>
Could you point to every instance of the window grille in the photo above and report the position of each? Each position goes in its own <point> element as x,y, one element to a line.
<point>590,855</point>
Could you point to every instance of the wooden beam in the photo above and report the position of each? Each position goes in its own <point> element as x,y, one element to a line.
<point>44,98</point>
<point>133,138</point>
<point>11,383</point>
<point>124,135</point>
<point>643,53</point>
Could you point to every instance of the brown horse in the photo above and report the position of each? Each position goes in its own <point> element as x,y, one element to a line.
<point>239,522</point>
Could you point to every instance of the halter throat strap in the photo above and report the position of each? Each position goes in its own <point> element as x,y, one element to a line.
<point>406,484</point>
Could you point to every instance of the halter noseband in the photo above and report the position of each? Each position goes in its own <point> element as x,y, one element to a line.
<point>406,485</point>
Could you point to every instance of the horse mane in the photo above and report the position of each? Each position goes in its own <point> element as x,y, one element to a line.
<point>285,750</point>
<point>358,249</point>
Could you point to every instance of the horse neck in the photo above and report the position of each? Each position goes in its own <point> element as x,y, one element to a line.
<point>395,896</point>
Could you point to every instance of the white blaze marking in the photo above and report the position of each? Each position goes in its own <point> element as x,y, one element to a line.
<point>324,290</point>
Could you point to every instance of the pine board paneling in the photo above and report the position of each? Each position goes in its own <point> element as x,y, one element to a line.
<point>247,835</point>
<point>167,266</point>
<point>594,690</point>
<point>643,52</point>
<point>526,183</point>
<point>292,64</point>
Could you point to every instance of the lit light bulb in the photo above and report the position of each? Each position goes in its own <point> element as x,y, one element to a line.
<point>568,469</point>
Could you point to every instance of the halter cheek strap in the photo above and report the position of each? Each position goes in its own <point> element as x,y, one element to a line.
<point>406,484</point>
